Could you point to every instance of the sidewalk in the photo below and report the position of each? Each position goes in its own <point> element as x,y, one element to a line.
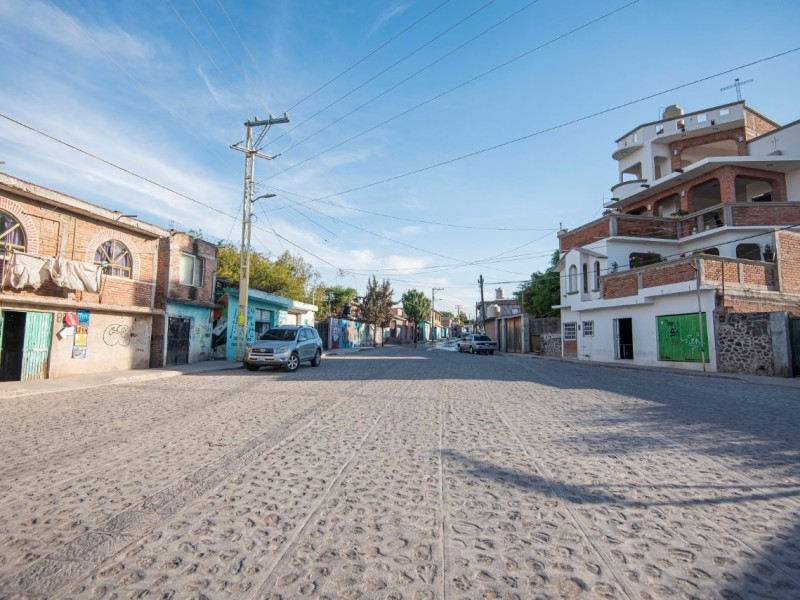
<point>15,389</point>
<point>791,382</point>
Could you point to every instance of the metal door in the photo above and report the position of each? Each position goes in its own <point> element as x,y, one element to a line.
<point>178,341</point>
<point>36,351</point>
<point>794,340</point>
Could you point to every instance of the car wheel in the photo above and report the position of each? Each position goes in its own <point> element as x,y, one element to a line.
<point>471,350</point>
<point>294,362</point>
<point>317,360</point>
<point>250,367</point>
<point>459,347</point>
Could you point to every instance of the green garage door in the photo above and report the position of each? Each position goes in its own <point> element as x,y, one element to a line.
<point>679,338</point>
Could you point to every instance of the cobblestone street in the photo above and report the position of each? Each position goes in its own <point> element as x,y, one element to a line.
<point>404,473</point>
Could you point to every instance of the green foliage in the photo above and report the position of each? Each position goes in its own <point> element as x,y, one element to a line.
<point>289,276</point>
<point>542,292</point>
<point>333,299</point>
<point>417,306</point>
<point>376,306</point>
<point>447,313</point>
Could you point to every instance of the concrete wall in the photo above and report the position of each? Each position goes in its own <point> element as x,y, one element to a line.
<point>115,342</point>
<point>200,330</point>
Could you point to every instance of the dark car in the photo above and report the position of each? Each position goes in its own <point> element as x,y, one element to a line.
<point>286,347</point>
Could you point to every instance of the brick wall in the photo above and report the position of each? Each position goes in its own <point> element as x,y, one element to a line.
<point>720,136</point>
<point>645,227</point>
<point>620,286</point>
<point>787,256</point>
<point>667,274</point>
<point>48,232</point>
<point>596,230</point>
<point>169,259</point>
<point>756,124</point>
<point>765,213</point>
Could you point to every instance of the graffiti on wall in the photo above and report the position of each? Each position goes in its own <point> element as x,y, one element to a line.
<point>117,334</point>
<point>219,332</point>
<point>345,334</point>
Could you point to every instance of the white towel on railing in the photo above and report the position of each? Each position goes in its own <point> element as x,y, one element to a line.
<point>75,275</point>
<point>27,271</point>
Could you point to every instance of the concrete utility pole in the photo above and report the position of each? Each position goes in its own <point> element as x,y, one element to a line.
<point>251,149</point>
<point>483,306</point>
<point>433,303</point>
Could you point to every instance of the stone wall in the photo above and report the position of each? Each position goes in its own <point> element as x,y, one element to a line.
<point>745,343</point>
<point>550,344</point>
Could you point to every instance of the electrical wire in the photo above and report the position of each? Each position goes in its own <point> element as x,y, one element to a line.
<point>386,70</point>
<point>446,92</point>
<point>358,62</point>
<point>553,127</point>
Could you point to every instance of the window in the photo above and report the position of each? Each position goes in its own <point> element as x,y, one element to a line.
<point>585,278</point>
<point>597,275</point>
<point>748,251</point>
<point>701,118</point>
<point>115,259</point>
<point>570,331</point>
<point>12,236</point>
<point>263,321</point>
<point>572,283</point>
<point>588,328</point>
<point>723,112</point>
<point>192,270</point>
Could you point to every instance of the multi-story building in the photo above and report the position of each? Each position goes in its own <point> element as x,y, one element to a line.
<point>185,293</point>
<point>504,322</point>
<point>696,261</point>
<point>78,285</point>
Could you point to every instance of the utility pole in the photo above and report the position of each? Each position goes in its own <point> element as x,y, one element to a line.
<point>483,306</point>
<point>251,149</point>
<point>433,303</point>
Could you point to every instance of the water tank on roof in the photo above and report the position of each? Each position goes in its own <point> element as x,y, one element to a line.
<point>499,294</point>
<point>672,111</point>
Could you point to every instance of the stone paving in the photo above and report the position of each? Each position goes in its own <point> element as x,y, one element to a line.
<point>404,473</point>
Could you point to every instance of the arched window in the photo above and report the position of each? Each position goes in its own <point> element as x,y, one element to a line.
<point>12,236</point>
<point>748,251</point>
<point>573,279</point>
<point>597,274</point>
<point>115,258</point>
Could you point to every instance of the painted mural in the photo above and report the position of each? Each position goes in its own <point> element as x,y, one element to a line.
<point>219,333</point>
<point>346,334</point>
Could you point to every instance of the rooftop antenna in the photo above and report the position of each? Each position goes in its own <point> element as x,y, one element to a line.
<point>738,85</point>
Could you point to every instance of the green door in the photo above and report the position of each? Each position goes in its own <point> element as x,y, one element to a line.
<point>36,352</point>
<point>680,339</point>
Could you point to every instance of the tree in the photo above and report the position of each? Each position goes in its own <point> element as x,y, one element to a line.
<point>542,292</point>
<point>448,314</point>
<point>417,307</point>
<point>334,298</point>
<point>376,306</point>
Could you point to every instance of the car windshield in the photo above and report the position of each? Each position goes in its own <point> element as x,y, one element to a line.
<point>482,338</point>
<point>279,335</point>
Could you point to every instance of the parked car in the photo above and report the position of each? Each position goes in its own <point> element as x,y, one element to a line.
<point>463,341</point>
<point>286,347</point>
<point>481,343</point>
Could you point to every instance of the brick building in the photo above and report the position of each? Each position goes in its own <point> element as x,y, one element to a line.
<point>185,291</point>
<point>78,285</point>
<point>704,226</point>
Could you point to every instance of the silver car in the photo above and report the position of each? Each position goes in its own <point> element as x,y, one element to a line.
<point>286,347</point>
<point>481,343</point>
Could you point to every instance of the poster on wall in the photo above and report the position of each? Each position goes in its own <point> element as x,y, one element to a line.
<point>81,339</point>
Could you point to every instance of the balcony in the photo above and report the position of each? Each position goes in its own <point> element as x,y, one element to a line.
<point>625,189</point>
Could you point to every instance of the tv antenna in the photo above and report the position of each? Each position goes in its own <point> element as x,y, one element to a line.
<point>738,85</point>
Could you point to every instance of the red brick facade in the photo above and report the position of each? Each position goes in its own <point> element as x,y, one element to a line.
<point>787,255</point>
<point>50,233</point>
<point>621,285</point>
<point>666,274</point>
<point>596,230</point>
<point>170,251</point>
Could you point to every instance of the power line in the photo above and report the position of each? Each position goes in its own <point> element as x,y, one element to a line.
<point>358,62</point>
<point>554,127</point>
<point>453,89</point>
<point>387,69</point>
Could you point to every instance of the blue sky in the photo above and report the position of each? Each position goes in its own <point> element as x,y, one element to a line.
<point>163,87</point>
